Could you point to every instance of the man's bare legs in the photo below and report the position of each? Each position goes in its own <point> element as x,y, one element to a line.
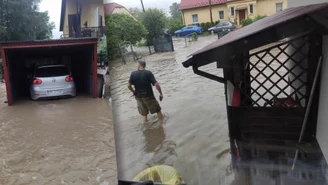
<point>160,116</point>
<point>145,119</point>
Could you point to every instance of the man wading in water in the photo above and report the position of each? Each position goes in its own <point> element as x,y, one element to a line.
<point>142,80</point>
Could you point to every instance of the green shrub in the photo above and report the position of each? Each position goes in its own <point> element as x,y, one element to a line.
<point>207,26</point>
<point>216,22</point>
<point>120,28</point>
<point>174,25</point>
<point>194,37</point>
<point>259,17</point>
<point>246,22</point>
<point>202,25</point>
<point>250,21</point>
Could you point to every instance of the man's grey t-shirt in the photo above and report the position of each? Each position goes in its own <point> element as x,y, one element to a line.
<point>142,81</point>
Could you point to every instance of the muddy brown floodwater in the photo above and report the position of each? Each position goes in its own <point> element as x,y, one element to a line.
<point>67,141</point>
<point>194,138</point>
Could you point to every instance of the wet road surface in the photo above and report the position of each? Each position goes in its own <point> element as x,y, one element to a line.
<point>67,141</point>
<point>193,139</point>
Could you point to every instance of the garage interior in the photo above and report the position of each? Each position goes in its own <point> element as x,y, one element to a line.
<point>19,58</point>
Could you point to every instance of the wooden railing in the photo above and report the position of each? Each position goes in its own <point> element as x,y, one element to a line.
<point>87,32</point>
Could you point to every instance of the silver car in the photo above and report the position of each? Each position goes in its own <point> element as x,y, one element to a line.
<point>52,81</point>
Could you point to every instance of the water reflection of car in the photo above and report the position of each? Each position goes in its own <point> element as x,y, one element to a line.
<point>52,81</point>
<point>222,27</point>
<point>188,30</point>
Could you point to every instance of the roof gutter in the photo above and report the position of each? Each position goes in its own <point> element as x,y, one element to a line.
<point>188,63</point>
<point>62,15</point>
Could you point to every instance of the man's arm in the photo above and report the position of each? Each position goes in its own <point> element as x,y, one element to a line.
<point>156,84</point>
<point>158,88</point>
<point>131,88</point>
<point>130,85</point>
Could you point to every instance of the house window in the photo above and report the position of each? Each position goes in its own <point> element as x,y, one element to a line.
<point>221,15</point>
<point>278,7</point>
<point>232,11</point>
<point>251,9</point>
<point>195,18</point>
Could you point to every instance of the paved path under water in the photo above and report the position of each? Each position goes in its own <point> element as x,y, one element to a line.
<point>194,137</point>
<point>68,141</point>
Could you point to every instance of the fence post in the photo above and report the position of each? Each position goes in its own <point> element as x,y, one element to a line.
<point>134,57</point>
<point>171,40</point>
<point>122,54</point>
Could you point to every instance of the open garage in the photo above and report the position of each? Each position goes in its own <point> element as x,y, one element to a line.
<point>19,59</point>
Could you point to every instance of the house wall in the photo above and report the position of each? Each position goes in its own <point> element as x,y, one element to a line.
<point>268,7</point>
<point>88,12</point>
<point>261,7</point>
<point>204,14</point>
<point>295,3</point>
<point>322,126</point>
<point>237,4</point>
<point>122,10</point>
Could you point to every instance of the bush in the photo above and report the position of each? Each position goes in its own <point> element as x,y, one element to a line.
<point>246,22</point>
<point>250,21</point>
<point>102,50</point>
<point>207,26</point>
<point>259,17</point>
<point>174,25</point>
<point>216,22</point>
<point>202,25</point>
<point>154,21</point>
<point>194,36</point>
<point>120,28</point>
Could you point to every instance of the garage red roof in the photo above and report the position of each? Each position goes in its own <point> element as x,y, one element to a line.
<point>189,4</point>
<point>110,7</point>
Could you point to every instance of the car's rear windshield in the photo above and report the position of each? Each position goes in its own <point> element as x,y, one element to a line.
<point>51,71</point>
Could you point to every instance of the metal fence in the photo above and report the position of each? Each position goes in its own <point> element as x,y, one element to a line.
<point>164,44</point>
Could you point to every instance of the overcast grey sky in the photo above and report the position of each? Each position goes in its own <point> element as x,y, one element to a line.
<point>54,8</point>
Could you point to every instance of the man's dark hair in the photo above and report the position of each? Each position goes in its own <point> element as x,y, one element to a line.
<point>142,63</point>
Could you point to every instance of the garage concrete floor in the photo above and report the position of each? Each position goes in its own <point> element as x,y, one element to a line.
<point>69,141</point>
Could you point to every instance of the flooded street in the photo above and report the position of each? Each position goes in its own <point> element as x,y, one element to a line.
<point>67,141</point>
<point>193,139</point>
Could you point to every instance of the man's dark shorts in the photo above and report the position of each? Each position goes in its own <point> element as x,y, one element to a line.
<point>146,105</point>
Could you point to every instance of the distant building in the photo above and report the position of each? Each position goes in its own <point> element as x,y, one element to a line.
<point>82,18</point>
<point>198,11</point>
<point>295,3</point>
<point>111,8</point>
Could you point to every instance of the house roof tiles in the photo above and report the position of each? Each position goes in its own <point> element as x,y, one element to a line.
<point>189,4</point>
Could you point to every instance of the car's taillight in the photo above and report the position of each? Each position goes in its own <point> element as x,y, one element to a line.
<point>69,78</point>
<point>37,81</point>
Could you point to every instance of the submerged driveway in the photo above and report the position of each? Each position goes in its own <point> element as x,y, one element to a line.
<point>69,141</point>
<point>194,137</point>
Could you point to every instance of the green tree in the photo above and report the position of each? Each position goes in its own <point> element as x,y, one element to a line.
<point>154,21</point>
<point>174,25</point>
<point>22,20</point>
<point>102,50</point>
<point>135,12</point>
<point>120,28</point>
<point>175,12</point>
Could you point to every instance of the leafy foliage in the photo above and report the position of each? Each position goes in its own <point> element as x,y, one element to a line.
<point>246,22</point>
<point>194,37</point>
<point>120,28</point>
<point>102,50</point>
<point>208,25</point>
<point>136,12</point>
<point>175,12</point>
<point>174,25</point>
<point>250,21</point>
<point>154,22</point>
<point>259,17</point>
<point>22,20</point>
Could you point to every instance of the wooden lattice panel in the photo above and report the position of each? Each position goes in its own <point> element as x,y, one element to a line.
<point>278,75</point>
